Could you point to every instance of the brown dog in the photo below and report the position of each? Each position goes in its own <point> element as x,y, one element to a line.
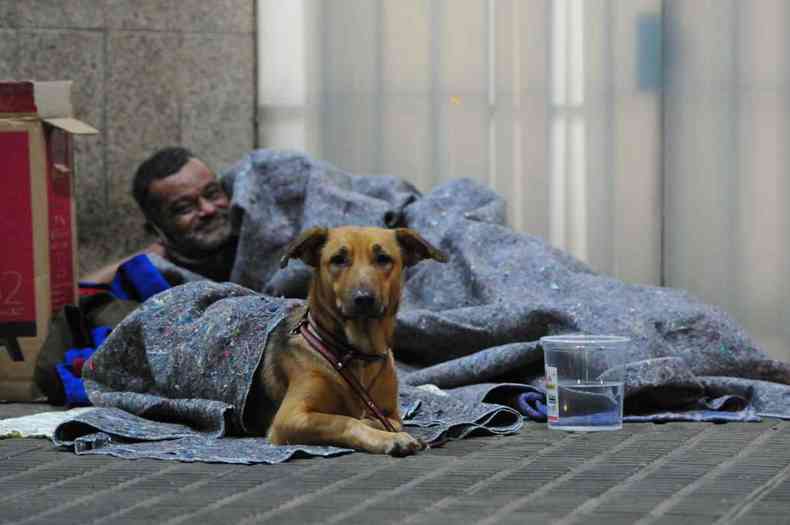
<point>328,377</point>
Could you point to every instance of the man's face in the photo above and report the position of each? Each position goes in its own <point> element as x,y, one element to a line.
<point>193,209</point>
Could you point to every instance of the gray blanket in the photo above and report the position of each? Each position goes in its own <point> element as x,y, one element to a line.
<point>470,327</point>
<point>477,318</point>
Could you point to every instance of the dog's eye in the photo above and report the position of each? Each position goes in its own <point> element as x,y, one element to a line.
<point>339,259</point>
<point>383,259</point>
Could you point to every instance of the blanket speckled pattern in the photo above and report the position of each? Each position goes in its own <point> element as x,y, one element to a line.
<point>467,331</point>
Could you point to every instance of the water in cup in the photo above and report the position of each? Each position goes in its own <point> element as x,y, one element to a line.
<point>589,407</point>
<point>584,382</point>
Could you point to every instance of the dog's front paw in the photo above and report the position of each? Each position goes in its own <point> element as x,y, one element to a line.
<point>403,444</point>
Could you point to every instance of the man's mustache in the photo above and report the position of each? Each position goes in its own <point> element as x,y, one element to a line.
<point>213,222</point>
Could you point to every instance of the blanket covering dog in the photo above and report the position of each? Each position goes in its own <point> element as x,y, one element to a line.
<point>469,327</point>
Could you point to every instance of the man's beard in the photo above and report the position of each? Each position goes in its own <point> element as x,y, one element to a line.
<point>206,238</point>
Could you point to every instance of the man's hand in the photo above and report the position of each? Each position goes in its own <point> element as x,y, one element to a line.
<point>106,274</point>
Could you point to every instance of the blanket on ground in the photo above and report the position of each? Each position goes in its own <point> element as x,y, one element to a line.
<point>468,330</point>
<point>174,376</point>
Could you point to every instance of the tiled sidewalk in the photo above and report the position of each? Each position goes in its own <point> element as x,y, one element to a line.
<point>673,473</point>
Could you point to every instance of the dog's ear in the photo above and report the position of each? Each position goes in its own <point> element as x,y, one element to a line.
<point>415,248</point>
<point>306,247</point>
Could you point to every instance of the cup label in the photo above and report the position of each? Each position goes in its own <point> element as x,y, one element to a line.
<point>552,401</point>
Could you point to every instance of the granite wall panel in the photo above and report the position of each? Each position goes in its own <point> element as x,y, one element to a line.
<point>220,16</point>
<point>148,73</point>
<point>184,16</point>
<point>71,14</point>
<point>146,15</point>
<point>9,13</point>
<point>143,113</point>
<point>216,109</point>
<point>9,52</point>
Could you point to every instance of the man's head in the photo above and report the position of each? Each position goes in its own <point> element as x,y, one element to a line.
<point>183,201</point>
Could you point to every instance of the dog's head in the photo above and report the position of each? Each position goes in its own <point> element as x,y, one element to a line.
<point>358,271</point>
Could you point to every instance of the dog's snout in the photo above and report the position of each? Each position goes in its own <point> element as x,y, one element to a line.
<point>364,301</point>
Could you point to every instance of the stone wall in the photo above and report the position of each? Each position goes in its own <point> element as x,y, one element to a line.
<point>147,73</point>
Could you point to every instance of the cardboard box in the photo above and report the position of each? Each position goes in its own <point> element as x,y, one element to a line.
<point>38,241</point>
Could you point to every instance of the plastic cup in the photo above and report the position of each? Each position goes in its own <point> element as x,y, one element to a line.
<point>584,381</point>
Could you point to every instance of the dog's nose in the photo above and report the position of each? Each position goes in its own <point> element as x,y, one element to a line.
<point>364,302</point>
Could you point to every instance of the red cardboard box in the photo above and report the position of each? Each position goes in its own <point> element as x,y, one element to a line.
<point>38,241</point>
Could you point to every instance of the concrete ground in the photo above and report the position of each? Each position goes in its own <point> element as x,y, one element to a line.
<point>672,473</point>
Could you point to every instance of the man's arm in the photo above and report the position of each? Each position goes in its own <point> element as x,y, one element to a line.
<point>106,274</point>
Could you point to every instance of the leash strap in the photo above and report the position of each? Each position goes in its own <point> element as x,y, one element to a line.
<point>316,344</point>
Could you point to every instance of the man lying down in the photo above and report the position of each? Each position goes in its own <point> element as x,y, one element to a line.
<point>465,338</point>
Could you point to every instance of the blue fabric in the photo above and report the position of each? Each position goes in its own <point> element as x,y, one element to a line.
<point>76,353</point>
<point>532,405</point>
<point>99,334</point>
<point>138,279</point>
<point>72,386</point>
